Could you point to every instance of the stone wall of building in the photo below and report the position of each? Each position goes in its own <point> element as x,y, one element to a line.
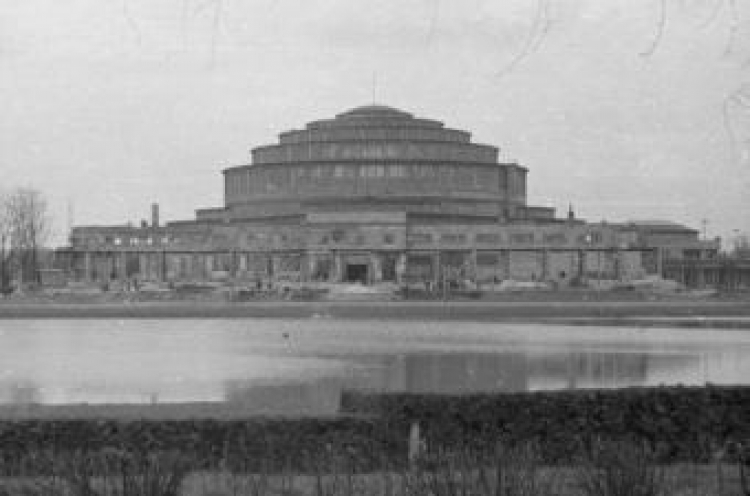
<point>556,252</point>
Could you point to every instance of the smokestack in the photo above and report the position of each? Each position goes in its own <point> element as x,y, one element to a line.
<point>154,215</point>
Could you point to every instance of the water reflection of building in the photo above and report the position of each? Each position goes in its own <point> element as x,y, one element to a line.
<point>451,373</point>
<point>515,371</point>
<point>316,396</point>
<point>447,373</point>
<point>422,373</point>
<point>589,370</point>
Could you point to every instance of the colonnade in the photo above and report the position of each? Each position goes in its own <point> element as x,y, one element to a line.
<point>365,266</point>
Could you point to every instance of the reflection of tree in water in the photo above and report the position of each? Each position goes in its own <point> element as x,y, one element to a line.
<point>20,393</point>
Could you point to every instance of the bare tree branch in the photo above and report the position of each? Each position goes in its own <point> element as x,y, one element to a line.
<point>660,26</point>
<point>130,21</point>
<point>26,230</point>
<point>729,129</point>
<point>201,7</point>
<point>740,98</point>
<point>184,22</point>
<point>4,246</point>
<point>734,24</point>
<point>545,27</point>
<point>536,35</point>
<point>714,14</point>
<point>435,14</point>
<point>218,11</point>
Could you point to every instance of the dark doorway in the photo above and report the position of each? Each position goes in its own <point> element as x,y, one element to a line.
<point>356,273</point>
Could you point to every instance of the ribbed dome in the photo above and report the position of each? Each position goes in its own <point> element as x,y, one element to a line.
<point>374,116</point>
<point>373,154</point>
<point>374,132</point>
<point>370,123</point>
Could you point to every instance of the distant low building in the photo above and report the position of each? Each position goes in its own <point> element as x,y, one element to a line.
<point>378,195</point>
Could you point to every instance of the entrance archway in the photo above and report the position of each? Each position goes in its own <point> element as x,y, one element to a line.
<point>356,272</point>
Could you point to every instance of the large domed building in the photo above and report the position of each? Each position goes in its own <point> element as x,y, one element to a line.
<point>374,194</point>
<point>377,158</point>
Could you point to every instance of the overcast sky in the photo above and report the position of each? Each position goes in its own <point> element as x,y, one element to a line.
<point>112,105</point>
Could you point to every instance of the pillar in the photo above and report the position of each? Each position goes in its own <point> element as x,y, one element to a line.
<point>303,266</point>
<point>473,266</point>
<point>164,271</point>
<point>700,276</point>
<point>311,265</point>
<point>508,263</point>
<point>400,267</point>
<point>121,266</point>
<point>659,262</point>
<point>198,265</point>
<point>375,274</point>
<point>438,269</point>
<point>142,265</point>
<point>581,264</point>
<point>337,269</point>
<point>208,265</point>
<point>87,266</point>
<point>617,263</point>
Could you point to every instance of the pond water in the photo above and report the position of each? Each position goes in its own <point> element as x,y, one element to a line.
<point>301,366</point>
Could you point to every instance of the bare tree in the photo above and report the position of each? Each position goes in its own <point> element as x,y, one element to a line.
<point>4,246</point>
<point>29,228</point>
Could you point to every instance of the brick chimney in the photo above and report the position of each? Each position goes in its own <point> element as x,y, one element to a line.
<point>154,215</point>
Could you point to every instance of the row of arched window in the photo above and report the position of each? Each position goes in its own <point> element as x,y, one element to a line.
<point>284,178</point>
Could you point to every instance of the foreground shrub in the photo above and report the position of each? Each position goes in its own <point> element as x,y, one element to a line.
<point>105,473</point>
<point>260,444</point>
<point>678,423</point>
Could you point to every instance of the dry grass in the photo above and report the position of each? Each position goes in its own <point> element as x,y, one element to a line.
<point>612,469</point>
<point>680,480</point>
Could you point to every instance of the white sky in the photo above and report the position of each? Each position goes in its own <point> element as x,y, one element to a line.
<point>115,104</point>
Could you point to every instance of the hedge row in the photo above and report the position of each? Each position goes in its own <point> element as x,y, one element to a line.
<point>677,423</point>
<point>260,444</point>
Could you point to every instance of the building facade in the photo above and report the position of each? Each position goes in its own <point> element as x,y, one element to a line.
<point>375,195</point>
